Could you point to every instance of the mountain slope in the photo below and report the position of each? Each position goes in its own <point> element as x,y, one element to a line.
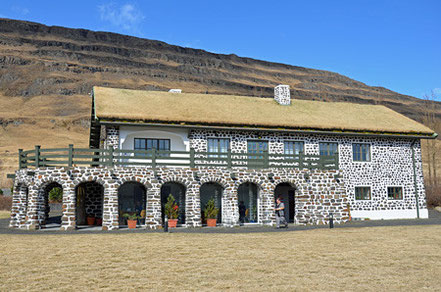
<point>46,74</point>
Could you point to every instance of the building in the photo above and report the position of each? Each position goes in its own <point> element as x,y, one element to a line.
<point>325,159</point>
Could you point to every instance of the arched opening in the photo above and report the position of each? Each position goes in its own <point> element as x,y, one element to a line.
<point>132,200</point>
<point>51,211</point>
<point>177,190</point>
<point>248,199</point>
<point>210,191</point>
<point>89,204</point>
<point>286,192</point>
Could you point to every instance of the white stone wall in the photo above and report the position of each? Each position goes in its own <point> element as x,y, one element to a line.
<point>282,94</point>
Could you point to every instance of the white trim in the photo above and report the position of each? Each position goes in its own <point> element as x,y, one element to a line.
<point>390,214</point>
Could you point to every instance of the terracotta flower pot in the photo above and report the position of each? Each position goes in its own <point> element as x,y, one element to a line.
<point>132,223</point>
<point>90,220</point>
<point>172,223</point>
<point>99,221</point>
<point>211,222</point>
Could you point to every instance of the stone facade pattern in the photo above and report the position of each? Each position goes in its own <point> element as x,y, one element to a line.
<point>282,94</point>
<point>318,194</point>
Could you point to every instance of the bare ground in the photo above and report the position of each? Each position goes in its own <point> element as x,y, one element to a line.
<point>378,258</point>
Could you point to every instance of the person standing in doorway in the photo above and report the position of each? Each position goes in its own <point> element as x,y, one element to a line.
<point>280,213</point>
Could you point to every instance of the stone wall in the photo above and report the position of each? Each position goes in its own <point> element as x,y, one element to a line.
<point>318,193</point>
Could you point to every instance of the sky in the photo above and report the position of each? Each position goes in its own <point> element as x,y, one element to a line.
<point>394,44</point>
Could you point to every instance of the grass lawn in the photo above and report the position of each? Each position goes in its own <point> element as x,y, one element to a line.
<point>5,214</point>
<point>377,258</point>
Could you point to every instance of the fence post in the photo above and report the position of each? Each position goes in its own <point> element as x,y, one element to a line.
<point>153,158</point>
<point>265,159</point>
<point>229,162</point>
<point>192,158</point>
<point>20,162</point>
<point>37,156</point>
<point>70,163</point>
<point>111,156</point>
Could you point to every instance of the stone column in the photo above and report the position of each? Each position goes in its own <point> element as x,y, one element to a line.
<point>266,208</point>
<point>68,221</point>
<point>23,205</point>
<point>230,206</point>
<point>32,222</point>
<point>110,208</point>
<point>153,211</point>
<point>193,206</point>
<point>14,222</point>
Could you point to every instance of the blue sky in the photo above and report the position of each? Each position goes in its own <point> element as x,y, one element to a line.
<point>395,44</point>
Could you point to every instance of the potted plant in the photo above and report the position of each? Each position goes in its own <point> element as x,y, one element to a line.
<point>90,219</point>
<point>171,211</point>
<point>132,219</point>
<point>210,213</point>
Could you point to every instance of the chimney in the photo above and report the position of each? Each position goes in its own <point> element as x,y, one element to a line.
<point>175,90</point>
<point>282,94</point>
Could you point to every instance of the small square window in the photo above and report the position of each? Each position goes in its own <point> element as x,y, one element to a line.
<point>361,152</point>
<point>328,149</point>
<point>395,193</point>
<point>362,193</point>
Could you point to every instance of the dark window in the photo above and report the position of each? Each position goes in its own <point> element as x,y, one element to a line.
<point>328,149</point>
<point>218,145</point>
<point>149,144</point>
<point>293,147</point>
<point>395,193</point>
<point>362,193</point>
<point>257,147</point>
<point>361,152</point>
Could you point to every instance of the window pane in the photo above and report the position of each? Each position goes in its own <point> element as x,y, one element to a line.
<point>362,193</point>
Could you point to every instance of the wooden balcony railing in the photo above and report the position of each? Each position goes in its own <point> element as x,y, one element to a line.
<point>70,157</point>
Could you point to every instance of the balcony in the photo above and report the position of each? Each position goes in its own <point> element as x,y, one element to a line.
<point>75,157</point>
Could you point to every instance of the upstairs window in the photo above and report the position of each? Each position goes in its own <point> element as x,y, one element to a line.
<point>328,149</point>
<point>395,193</point>
<point>218,145</point>
<point>149,144</point>
<point>361,152</point>
<point>362,193</point>
<point>257,147</point>
<point>293,147</point>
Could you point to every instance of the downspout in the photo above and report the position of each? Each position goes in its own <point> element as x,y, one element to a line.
<point>415,179</point>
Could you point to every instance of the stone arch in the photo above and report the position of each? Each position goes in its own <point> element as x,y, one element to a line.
<point>49,213</point>
<point>132,178</point>
<point>175,179</point>
<point>292,183</point>
<point>88,200</point>
<point>247,180</point>
<point>132,198</point>
<point>214,179</point>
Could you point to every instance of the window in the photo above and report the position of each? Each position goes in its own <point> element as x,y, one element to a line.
<point>395,193</point>
<point>361,152</point>
<point>218,145</point>
<point>293,147</point>
<point>328,149</point>
<point>257,147</point>
<point>149,144</point>
<point>362,193</point>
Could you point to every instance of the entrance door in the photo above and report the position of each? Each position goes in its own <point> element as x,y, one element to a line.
<point>287,193</point>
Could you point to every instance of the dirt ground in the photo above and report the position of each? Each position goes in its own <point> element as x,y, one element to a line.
<point>374,258</point>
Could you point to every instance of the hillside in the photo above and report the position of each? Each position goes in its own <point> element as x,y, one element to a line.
<point>46,74</point>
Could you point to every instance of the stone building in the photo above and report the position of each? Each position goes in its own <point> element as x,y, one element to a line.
<point>324,159</point>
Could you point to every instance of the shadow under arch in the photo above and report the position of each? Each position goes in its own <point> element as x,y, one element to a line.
<point>178,191</point>
<point>132,199</point>
<point>248,194</point>
<point>89,200</point>
<point>211,190</point>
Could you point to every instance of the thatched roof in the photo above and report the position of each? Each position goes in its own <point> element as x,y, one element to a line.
<point>126,105</point>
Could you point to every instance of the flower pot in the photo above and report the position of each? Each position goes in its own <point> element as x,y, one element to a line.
<point>99,221</point>
<point>211,222</point>
<point>90,220</point>
<point>132,223</point>
<point>172,223</point>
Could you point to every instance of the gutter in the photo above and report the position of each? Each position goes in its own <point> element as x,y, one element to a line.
<point>433,136</point>
<point>415,178</point>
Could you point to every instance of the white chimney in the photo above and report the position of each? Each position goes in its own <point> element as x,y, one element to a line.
<point>175,90</point>
<point>282,94</point>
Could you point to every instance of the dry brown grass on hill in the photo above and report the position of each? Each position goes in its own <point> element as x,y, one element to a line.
<point>372,259</point>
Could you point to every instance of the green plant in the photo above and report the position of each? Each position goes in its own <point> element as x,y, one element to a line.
<point>1,192</point>
<point>131,216</point>
<point>210,211</point>
<point>171,208</point>
<point>56,195</point>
